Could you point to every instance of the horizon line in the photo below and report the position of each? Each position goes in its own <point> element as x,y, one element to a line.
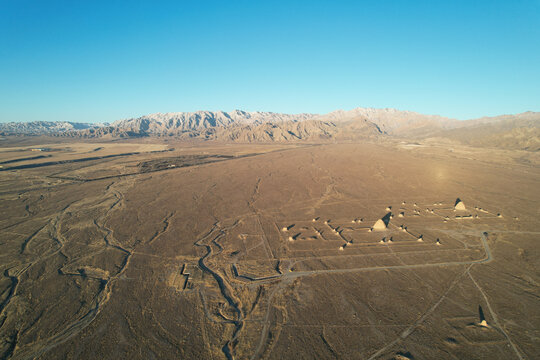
<point>269,112</point>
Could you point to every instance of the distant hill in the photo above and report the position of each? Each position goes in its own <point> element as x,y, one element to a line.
<point>42,127</point>
<point>311,130</point>
<point>101,132</point>
<point>391,121</point>
<point>395,122</point>
<point>530,116</point>
<point>181,122</point>
<point>519,131</point>
<point>241,126</point>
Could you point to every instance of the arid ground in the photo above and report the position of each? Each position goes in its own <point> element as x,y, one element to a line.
<point>164,250</point>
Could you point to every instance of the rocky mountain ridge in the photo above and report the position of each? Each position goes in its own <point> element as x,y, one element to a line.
<point>176,123</point>
<point>43,127</point>
<point>519,131</point>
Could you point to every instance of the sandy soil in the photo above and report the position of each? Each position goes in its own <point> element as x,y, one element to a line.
<point>214,251</point>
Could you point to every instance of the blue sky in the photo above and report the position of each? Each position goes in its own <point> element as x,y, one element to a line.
<point>99,61</point>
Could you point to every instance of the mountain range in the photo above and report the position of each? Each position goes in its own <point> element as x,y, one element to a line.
<point>519,131</point>
<point>42,127</point>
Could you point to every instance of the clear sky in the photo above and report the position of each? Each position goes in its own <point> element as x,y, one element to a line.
<point>100,61</point>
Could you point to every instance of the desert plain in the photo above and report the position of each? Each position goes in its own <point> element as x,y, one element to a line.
<point>154,249</point>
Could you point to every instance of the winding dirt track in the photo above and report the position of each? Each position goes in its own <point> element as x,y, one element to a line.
<point>288,276</point>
